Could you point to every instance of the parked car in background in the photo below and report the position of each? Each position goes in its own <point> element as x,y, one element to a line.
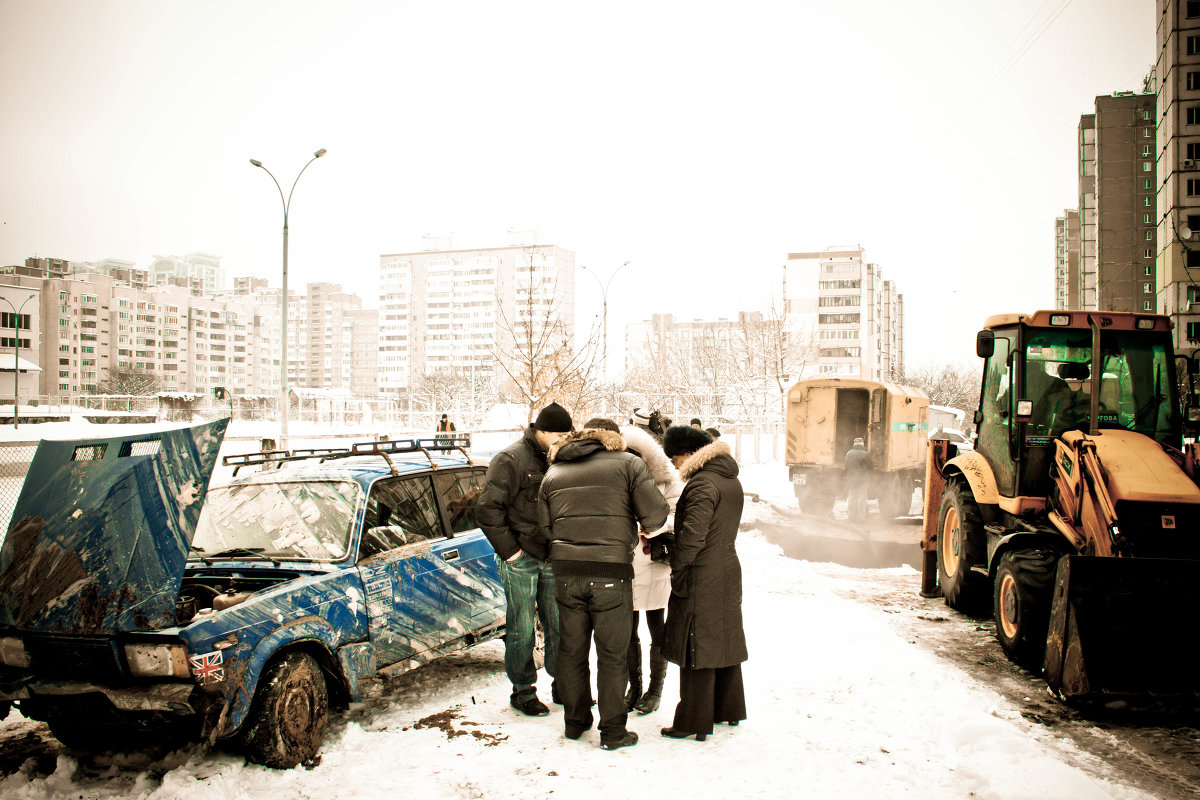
<point>165,608</point>
<point>960,439</point>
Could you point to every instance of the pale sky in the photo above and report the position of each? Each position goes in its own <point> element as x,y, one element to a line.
<point>700,141</point>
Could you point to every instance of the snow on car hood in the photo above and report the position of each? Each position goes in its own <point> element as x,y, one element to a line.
<point>101,531</point>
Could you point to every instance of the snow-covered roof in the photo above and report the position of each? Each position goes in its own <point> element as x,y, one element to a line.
<point>6,364</point>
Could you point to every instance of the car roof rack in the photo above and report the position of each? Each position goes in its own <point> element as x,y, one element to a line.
<point>385,448</point>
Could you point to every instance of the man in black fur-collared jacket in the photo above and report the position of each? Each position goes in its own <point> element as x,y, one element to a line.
<point>591,502</point>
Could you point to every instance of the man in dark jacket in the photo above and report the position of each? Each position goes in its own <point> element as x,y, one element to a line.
<point>507,513</point>
<point>592,500</point>
<point>858,464</point>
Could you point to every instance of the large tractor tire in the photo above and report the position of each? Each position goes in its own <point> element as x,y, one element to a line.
<point>961,543</point>
<point>290,715</point>
<point>1024,589</point>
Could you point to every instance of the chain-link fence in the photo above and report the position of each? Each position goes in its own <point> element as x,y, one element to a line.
<point>14,463</point>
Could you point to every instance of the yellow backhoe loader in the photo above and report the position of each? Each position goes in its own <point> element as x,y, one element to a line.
<point>1076,518</point>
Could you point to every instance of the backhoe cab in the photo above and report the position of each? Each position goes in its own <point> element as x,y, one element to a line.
<point>1077,516</point>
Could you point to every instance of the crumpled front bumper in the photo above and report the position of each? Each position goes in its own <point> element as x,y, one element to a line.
<point>176,697</point>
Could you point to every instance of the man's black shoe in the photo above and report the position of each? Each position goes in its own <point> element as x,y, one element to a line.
<point>554,696</point>
<point>574,733</point>
<point>628,740</point>
<point>529,706</point>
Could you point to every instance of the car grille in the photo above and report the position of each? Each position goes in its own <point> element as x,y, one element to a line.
<point>75,658</point>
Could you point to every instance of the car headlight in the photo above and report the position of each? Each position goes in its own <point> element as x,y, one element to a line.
<point>157,660</point>
<point>12,652</point>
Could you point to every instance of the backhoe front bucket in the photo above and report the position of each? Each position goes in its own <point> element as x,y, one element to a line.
<point>1124,628</point>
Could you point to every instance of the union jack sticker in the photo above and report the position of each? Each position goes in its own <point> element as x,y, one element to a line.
<point>207,667</point>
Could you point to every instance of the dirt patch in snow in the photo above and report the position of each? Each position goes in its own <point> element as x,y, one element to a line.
<point>444,721</point>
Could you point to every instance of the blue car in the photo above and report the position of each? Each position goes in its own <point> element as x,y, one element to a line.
<point>139,604</point>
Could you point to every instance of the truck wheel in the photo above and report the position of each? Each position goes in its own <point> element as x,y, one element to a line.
<point>896,499</point>
<point>1023,592</point>
<point>960,541</point>
<point>290,714</point>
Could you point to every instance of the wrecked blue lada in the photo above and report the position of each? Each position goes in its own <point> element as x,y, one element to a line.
<point>139,604</point>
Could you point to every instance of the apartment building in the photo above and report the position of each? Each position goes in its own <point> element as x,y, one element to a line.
<point>1178,168</point>
<point>20,340</point>
<point>857,320</point>
<point>330,336</point>
<point>457,311</point>
<point>701,353</point>
<point>1066,260</point>
<point>201,272</point>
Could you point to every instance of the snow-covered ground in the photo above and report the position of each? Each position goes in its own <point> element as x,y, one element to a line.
<point>841,704</point>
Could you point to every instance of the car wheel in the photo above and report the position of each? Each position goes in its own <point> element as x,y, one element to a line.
<point>290,714</point>
<point>960,541</point>
<point>1023,592</point>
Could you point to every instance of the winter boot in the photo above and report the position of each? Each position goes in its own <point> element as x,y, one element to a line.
<point>658,674</point>
<point>634,659</point>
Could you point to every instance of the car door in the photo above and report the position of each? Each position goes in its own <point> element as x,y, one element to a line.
<point>405,560</point>
<point>478,576</point>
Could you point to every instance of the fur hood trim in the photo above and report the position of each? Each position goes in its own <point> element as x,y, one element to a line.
<point>610,440</point>
<point>702,456</point>
<point>666,477</point>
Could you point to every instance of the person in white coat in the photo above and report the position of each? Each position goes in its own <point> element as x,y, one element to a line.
<point>651,579</point>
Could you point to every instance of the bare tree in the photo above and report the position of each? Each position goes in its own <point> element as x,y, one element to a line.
<point>534,350</point>
<point>122,380</point>
<point>951,385</point>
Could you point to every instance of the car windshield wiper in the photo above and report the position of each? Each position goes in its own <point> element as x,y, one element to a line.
<point>236,552</point>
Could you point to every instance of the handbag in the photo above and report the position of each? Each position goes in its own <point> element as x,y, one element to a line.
<point>661,547</point>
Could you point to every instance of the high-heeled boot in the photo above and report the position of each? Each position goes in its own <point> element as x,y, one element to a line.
<point>658,673</point>
<point>634,659</point>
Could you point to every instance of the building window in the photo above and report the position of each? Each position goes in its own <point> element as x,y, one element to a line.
<point>1146,114</point>
<point>1193,151</point>
<point>1146,289</point>
<point>1193,115</point>
<point>1147,253</point>
<point>1146,151</point>
<point>1192,295</point>
<point>1145,219</point>
<point>1193,259</point>
<point>1146,166</point>
<point>1145,133</point>
<point>1148,270</point>
<point>1149,236</point>
<point>1192,8</point>
<point>1193,45</point>
<point>1146,202</point>
<point>1193,81</point>
<point>1146,306</point>
<point>1193,187</point>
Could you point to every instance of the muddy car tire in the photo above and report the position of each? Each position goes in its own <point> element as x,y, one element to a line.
<point>1024,589</point>
<point>290,715</point>
<point>960,544</point>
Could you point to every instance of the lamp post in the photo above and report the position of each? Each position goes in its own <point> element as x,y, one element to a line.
<point>283,302</point>
<point>16,321</point>
<point>604,314</point>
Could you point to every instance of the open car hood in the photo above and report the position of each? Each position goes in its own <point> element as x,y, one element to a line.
<point>100,534</point>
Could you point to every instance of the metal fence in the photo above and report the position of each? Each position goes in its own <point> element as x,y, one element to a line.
<point>14,463</point>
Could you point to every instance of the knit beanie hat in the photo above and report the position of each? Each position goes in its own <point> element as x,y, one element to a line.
<point>553,419</point>
<point>682,440</point>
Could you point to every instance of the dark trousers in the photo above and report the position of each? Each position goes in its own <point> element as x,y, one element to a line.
<point>602,607</point>
<point>707,696</point>
<point>656,621</point>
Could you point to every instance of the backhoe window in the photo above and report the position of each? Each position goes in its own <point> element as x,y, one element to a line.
<point>1135,383</point>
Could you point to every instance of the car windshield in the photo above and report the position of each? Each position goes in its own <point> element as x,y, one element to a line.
<point>1135,382</point>
<point>305,521</point>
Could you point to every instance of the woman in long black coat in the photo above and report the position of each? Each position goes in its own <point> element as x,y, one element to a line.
<point>704,633</point>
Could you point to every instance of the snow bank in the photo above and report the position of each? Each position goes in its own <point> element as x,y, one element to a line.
<point>840,705</point>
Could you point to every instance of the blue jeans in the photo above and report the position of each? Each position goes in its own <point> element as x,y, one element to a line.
<point>528,588</point>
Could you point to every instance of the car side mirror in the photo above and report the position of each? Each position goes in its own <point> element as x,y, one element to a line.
<point>985,344</point>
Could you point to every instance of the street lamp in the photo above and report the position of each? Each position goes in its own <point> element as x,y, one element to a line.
<point>604,314</point>
<point>16,321</point>
<point>283,375</point>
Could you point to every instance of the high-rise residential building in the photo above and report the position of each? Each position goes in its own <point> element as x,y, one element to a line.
<point>200,272</point>
<point>1066,260</point>
<point>456,311</point>
<point>703,354</point>
<point>364,351</point>
<point>1178,145</point>
<point>1104,250</point>
<point>859,316</point>
<point>330,336</point>
<point>20,340</point>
